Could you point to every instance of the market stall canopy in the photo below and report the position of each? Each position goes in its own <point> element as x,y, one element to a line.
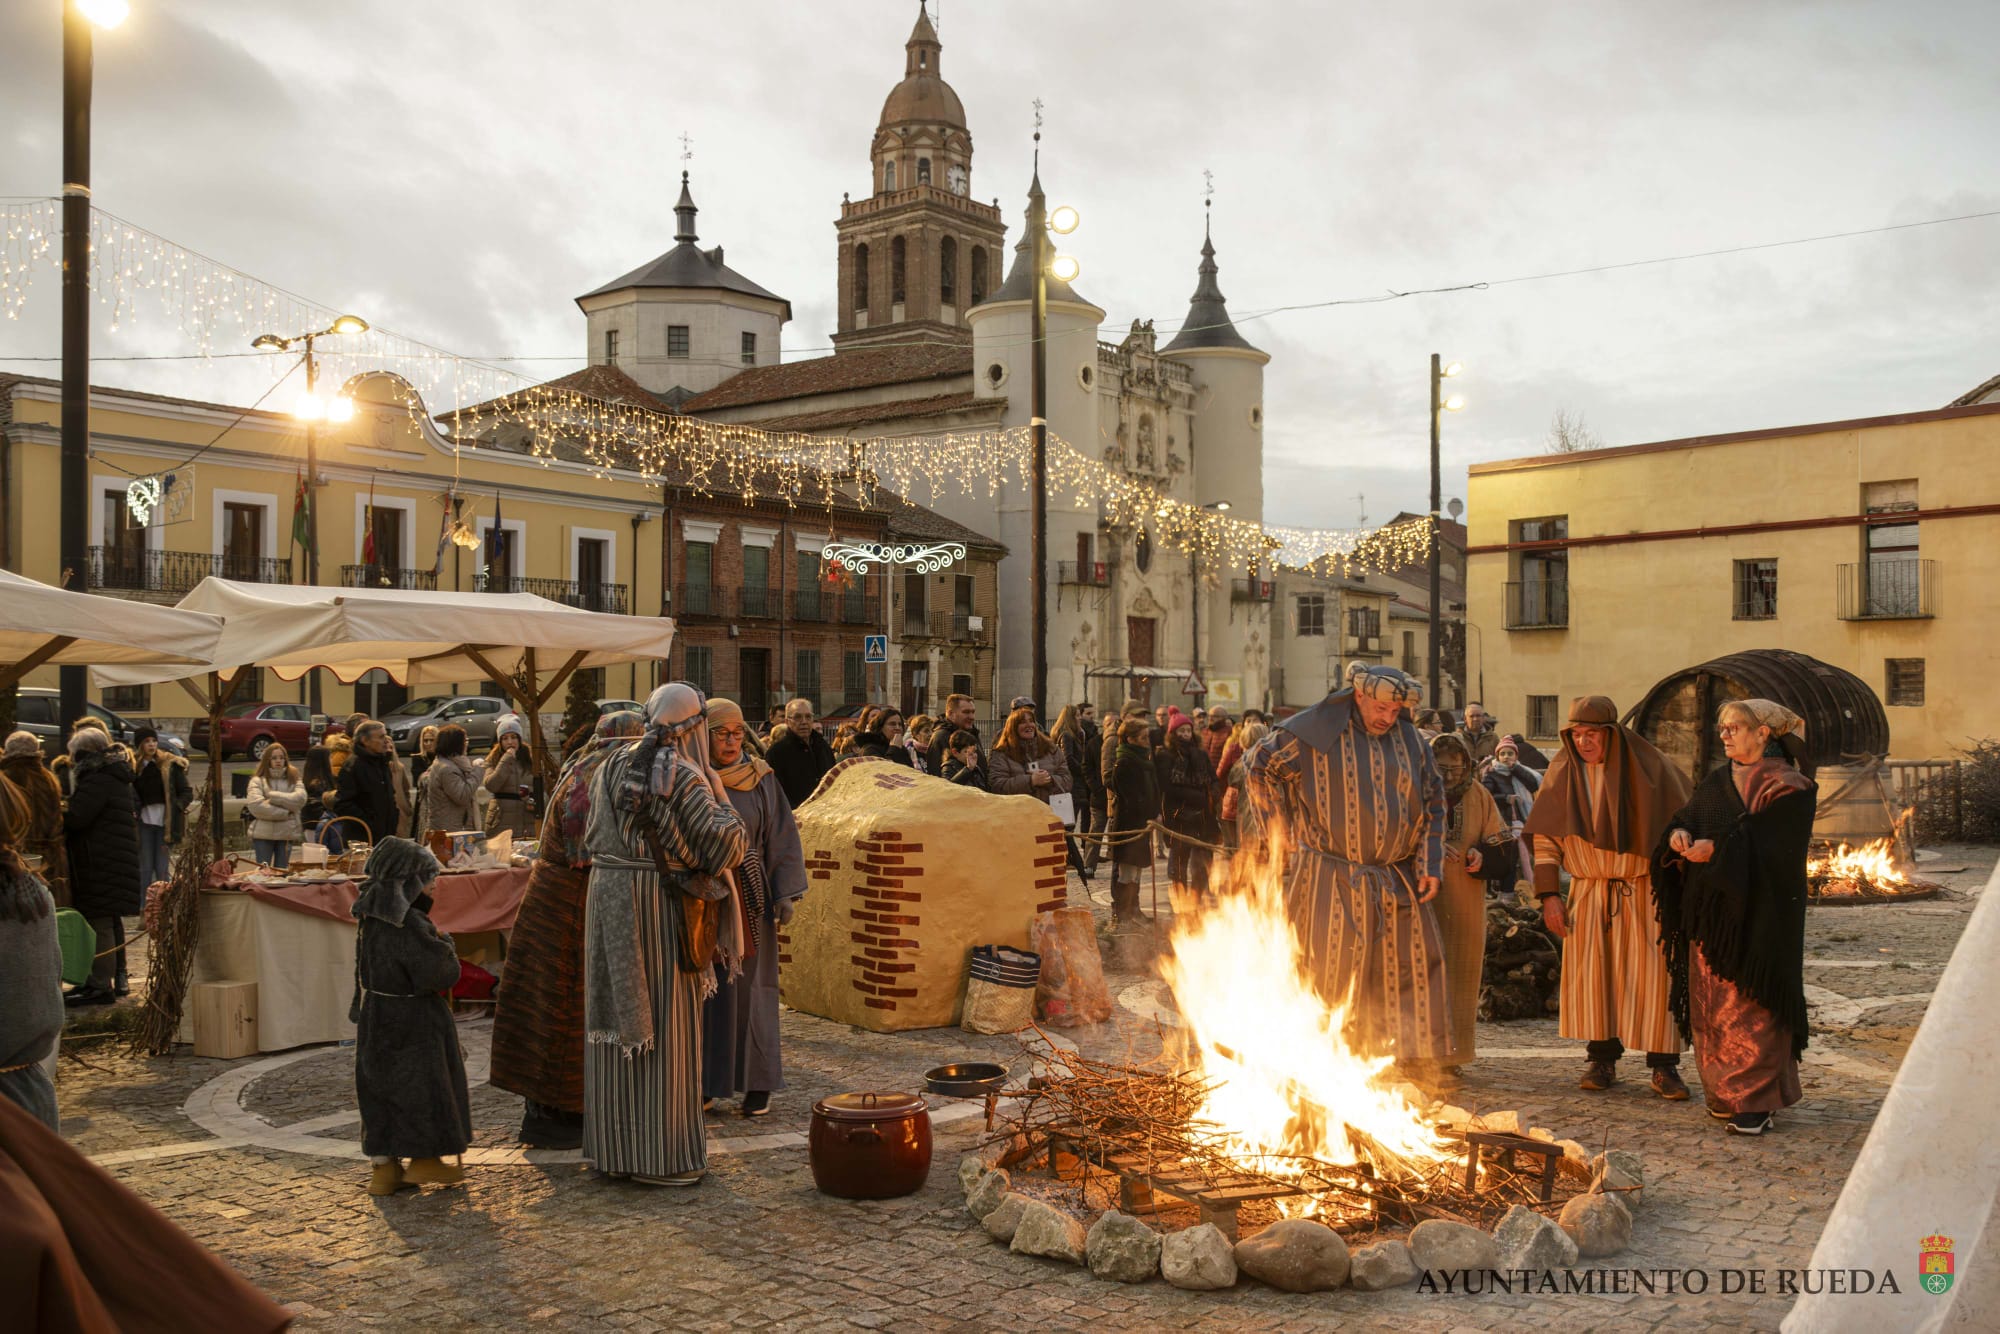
<point>44,626</point>
<point>416,637</point>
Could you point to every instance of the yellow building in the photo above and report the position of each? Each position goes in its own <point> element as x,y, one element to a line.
<point>563,532</point>
<point>1871,544</point>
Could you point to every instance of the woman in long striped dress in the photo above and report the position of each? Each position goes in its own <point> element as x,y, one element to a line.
<point>655,802</point>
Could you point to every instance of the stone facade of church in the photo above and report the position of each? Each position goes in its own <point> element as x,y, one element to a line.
<point>932,339</point>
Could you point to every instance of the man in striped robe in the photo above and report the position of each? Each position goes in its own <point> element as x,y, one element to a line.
<point>657,801</point>
<point>1353,795</point>
<point>1601,810</point>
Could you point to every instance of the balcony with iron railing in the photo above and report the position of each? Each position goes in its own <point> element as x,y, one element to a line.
<point>1888,590</point>
<point>966,628</point>
<point>858,609</point>
<point>1538,604</point>
<point>1084,574</point>
<point>1252,590</point>
<point>814,604</point>
<point>172,573</point>
<point>388,576</point>
<point>699,600</point>
<point>758,602</point>
<point>588,597</point>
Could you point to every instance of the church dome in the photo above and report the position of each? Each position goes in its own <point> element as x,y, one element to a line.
<point>923,97</point>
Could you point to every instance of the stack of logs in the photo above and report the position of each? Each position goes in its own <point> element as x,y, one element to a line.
<point>1523,965</point>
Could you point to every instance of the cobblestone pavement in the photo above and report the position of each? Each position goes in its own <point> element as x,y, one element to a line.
<point>258,1158</point>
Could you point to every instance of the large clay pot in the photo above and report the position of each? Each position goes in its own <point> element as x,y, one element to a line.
<point>870,1146</point>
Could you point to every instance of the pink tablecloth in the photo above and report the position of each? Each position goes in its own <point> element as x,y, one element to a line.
<point>465,901</point>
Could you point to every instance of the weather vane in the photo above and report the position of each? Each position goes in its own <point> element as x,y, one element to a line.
<point>687,149</point>
<point>1038,120</point>
<point>1207,187</point>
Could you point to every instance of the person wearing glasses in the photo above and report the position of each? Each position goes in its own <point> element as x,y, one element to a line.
<point>1730,889</point>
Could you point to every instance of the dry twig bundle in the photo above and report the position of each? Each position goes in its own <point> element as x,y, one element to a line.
<point>171,954</point>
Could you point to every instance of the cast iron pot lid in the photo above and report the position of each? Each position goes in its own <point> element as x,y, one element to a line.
<point>881,1106</point>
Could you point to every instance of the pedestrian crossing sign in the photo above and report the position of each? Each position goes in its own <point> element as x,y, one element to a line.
<point>874,649</point>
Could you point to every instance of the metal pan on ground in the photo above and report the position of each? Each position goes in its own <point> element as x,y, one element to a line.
<point>966,1079</point>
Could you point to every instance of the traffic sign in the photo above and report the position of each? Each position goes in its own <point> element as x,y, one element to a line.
<point>874,649</point>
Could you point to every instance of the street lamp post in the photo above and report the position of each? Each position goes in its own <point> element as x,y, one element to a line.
<point>1439,374</point>
<point>79,17</point>
<point>1046,263</point>
<point>311,411</point>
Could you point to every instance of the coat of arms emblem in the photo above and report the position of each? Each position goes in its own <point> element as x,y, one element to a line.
<point>1934,1263</point>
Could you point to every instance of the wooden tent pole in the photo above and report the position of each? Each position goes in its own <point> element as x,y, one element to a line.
<point>14,672</point>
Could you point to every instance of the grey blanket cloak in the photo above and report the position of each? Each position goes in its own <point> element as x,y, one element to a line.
<point>409,1074</point>
<point>739,1023</point>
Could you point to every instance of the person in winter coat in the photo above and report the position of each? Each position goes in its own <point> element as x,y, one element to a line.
<point>917,741</point>
<point>1023,762</point>
<point>366,790</point>
<point>409,1073</point>
<point>881,735</point>
<point>451,784</point>
<point>160,786</point>
<point>322,774</point>
<point>1232,774</point>
<point>1132,804</point>
<point>426,753</point>
<point>275,797</point>
<point>31,1004</point>
<point>41,834</point>
<point>1187,789</point>
<point>961,761</point>
<point>1080,758</point>
<point>61,766</point>
<point>959,715</point>
<point>102,826</point>
<point>801,755</point>
<point>510,778</point>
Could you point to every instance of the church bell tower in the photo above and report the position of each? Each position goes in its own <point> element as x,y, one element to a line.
<point>917,252</point>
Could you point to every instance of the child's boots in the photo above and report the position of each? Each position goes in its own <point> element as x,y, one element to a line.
<point>386,1178</point>
<point>434,1172</point>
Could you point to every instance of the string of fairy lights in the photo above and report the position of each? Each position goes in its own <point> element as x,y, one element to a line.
<point>219,309</point>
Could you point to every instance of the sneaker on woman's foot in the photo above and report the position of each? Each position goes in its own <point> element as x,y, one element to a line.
<point>1750,1123</point>
<point>757,1104</point>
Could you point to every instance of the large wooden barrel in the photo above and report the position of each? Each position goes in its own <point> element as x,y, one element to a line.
<point>1844,719</point>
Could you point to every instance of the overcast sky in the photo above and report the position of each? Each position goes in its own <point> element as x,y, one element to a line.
<point>460,171</point>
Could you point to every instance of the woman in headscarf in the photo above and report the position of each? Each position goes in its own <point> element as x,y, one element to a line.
<point>1729,883</point>
<point>739,1024</point>
<point>663,907</point>
<point>1471,823</point>
<point>1512,785</point>
<point>1187,780</point>
<point>538,1022</point>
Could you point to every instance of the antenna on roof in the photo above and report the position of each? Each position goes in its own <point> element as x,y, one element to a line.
<point>1360,509</point>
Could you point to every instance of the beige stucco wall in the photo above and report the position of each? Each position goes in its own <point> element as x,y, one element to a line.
<point>258,460</point>
<point>1639,611</point>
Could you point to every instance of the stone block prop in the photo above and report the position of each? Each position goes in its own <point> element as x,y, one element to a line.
<point>1198,1258</point>
<point>1050,1232</point>
<point>1441,1247</point>
<point>1295,1255</point>
<point>1122,1249</point>
<point>1599,1224</point>
<point>1385,1265</point>
<point>1528,1240</point>
<point>907,874</point>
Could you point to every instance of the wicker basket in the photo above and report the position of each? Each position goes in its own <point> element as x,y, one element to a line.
<point>1000,990</point>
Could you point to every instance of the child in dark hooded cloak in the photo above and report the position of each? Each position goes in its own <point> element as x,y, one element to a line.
<point>409,1074</point>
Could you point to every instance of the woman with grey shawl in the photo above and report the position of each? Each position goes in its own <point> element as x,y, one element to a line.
<point>409,1074</point>
<point>663,910</point>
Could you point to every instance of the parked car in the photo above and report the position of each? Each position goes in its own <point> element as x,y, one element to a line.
<point>248,728</point>
<point>38,710</point>
<point>477,714</point>
<point>834,719</point>
<point>605,706</point>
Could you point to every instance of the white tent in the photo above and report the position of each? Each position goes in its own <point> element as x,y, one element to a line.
<point>42,626</point>
<point>416,637</point>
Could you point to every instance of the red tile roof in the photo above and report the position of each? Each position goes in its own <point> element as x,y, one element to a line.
<point>862,368</point>
<point>868,413</point>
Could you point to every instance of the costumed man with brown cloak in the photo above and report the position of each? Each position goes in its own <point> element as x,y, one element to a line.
<point>538,1022</point>
<point>739,1023</point>
<point>1354,794</point>
<point>1604,803</point>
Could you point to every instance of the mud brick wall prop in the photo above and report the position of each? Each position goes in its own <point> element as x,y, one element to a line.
<point>907,873</point>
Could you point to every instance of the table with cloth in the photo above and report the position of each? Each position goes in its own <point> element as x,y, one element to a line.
<point>296,942</point>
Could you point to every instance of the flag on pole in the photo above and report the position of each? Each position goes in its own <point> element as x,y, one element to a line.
<point>300,499</point>
<point>368,525</point>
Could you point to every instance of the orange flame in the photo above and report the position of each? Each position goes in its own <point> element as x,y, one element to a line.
<point>1288,1085</point>
<point>1873,863</point>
